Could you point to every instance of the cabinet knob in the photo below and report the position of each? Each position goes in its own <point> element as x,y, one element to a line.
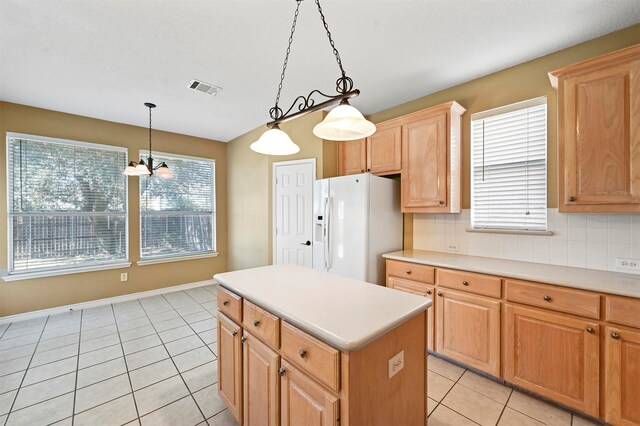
<point>428,291</point>
<point>591,330</point>
<point>439,293</point>
<point>234,334</point>
<point>361,170</point>
<point>409,272</point>
<point>368,170</point>
<point>225,303</point>
<point>615,335</point>
<point>281,371</point>
<point>572,199</point>
<point>465,283</point>
<point>441,202</point>
<point>303,353</point>
<point>547,298</point>
<point>256,323</point>
<point>244,339</point>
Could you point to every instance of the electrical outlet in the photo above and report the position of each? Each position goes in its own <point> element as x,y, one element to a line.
<point>396,364</point>
<point>627,264</point>
<point>124,277</point>
<point>452,247</point>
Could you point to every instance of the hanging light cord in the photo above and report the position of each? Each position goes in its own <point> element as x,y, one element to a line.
<point>276,109</point>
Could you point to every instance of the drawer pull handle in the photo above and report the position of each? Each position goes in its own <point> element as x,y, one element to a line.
<point>441,202</point>
<point>465,283</point>
<point>439,293</point>
<point>256,323</point>
<point>303,353</point>
<point>591,330</point>
<point>547,298</point>
<point>409,272</point>
<point>225,303</point>
<point>572,199</point>
<point>615,335</point>
<point>244,339</point>
<point>428,291</point>
<point>234,334</point>
<point>281,371</point>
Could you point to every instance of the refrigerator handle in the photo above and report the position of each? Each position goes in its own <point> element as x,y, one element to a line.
<point>325,236</point>
<point>329,254</point>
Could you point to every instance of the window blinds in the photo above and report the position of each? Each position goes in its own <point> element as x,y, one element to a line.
<point>178,214</point>
<point>67,204</point>
<point>509,167</point>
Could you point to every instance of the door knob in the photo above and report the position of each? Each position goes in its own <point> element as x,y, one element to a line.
<point>308,243</point>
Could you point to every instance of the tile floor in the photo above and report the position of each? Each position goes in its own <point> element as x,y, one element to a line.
<point>151,361</point>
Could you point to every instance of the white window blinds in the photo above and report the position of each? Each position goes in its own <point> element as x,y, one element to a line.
<point>509,167</point>
<point>178,215</point>
<point>67,204</point>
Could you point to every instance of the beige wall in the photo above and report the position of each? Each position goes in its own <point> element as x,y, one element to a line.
<point>30,295</point>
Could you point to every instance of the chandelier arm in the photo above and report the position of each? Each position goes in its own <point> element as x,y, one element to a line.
<point>311,106</point>
<point>331,42</point>
<point>276,112</point>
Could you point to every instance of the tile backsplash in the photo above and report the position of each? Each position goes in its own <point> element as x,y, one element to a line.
<point>579,240</point>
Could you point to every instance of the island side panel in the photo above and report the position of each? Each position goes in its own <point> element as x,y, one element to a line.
<point>375,399</point>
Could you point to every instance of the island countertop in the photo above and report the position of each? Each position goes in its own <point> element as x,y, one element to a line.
<point>344,313</point>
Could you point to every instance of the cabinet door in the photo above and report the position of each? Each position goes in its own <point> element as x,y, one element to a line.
<point>384,150</point>
<point>600,138</point>
<point>261,383</point>
<point>468,329</point>
<point>554,355</point>
<point>305,402</point>
<point>352,157</point>
<point>419,289</point>
<point>424,164</point>
<point>622,376</point>
<point>230,365</point>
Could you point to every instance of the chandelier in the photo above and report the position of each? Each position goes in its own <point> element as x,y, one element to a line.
<point>343,123</point>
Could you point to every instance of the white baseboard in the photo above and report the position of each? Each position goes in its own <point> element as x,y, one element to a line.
<point>100,302</point>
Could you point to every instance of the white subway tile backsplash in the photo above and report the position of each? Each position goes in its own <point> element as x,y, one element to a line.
<point>580,240</point>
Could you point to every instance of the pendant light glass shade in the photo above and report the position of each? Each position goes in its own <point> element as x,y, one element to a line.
<point>164,171</point>
<point>275,142</point>
<point>130,170</point>
<point>344,123</point>
<point>142,169</point>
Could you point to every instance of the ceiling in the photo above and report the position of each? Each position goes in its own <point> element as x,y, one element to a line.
<point>104,59</point>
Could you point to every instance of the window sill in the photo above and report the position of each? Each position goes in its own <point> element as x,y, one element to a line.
<point>144,262</point>
<point>44,274</point>
<point>510,231</point>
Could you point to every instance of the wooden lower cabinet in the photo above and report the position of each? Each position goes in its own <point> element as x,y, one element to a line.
<point>304,402</point>
<point>420,289</point>
<point>622,376</point>
<point>468,329</point>
<point>553,355</point>
<point>230,365</point>
<point>261,383</point>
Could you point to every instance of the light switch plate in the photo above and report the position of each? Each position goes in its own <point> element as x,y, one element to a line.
<point>396,364</point>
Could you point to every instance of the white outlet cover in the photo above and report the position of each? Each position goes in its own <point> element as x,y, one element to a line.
<point>396,364</point>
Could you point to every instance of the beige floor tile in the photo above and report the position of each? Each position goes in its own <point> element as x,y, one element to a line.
<point>182,412</point>
<point>116,412</point>
<point>443,416</point>
<point>47,412</point>
<point>444,368</point>
<point>209,401</point>
<point>513,418</point>
<point>438,386</point>
<point>224,419</point>
<point>431,405</point>
<point>471,404</point>
<point>581,421</point>
<point>486,387</point>
<point>539,410</point>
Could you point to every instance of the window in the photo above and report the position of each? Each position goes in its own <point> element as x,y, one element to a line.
<point>509,167</point>
<point>178,215</point>
<point>67,204</point>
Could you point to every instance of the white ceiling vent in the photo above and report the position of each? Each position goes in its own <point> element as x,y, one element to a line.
<point>203,87</point>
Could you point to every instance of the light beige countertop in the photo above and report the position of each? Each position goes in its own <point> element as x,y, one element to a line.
<point>344,313</point>
<point>581,278</point>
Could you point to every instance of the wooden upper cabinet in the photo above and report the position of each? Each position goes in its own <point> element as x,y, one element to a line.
<point>352,157</point>
<point>622,376</point>
<point>230,365</point>
<point>554,355</point>
<point>599,133</point>
<point>261,383</point>
<point>431,160</point>
<point>384,150</point>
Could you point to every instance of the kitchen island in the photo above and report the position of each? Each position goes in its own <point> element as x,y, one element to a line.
<point>298,346</point>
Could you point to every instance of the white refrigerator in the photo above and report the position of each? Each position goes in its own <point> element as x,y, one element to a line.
<point>356,219</point>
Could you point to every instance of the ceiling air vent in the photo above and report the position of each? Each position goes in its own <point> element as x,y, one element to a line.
<point>203,87</point>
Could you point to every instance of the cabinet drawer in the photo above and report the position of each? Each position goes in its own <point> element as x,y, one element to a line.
<point>485,285</point>
<point>230,304</point>
<point>559,299</point>
<point>315,357</point>
<point>261,323</point>
<point>410,271</point>
<point>413,287</point>
<point>623,311</point>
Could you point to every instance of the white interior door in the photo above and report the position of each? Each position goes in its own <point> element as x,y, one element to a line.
<point>293,217</point>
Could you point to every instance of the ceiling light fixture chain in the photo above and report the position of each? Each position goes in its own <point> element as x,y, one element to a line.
<point>276,111</point>
<point>344,84</point>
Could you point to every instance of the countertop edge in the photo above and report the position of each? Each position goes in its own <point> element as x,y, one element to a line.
<point>320,334</point>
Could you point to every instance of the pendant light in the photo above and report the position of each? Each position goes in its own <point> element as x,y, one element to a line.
<point>141,168</point>
<point>341,124</point>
